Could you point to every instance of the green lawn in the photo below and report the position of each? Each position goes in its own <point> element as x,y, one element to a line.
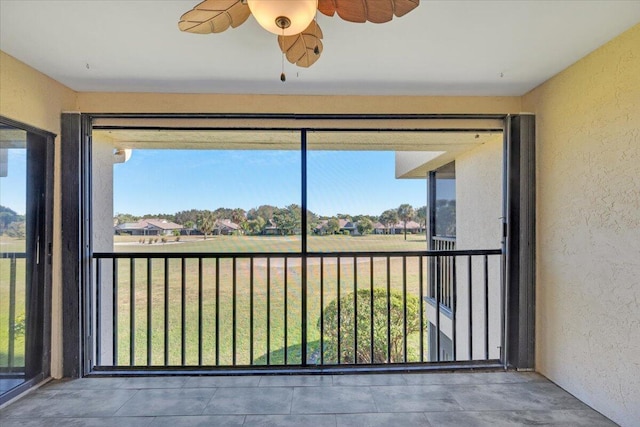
<point>278,308</point>
<point>271,243</point>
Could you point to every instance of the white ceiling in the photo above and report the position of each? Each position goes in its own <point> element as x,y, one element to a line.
<point>441,48</point>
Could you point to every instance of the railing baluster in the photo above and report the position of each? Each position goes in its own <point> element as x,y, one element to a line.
<point>388,309</point>
<point>166,312</point>
<point>268,311</point>
<point>371,309</point>
<point>200,311</point>
<point>234,313</point>
<point>454,308</point>
<point>355,309</point>
<point>438,289</point>
<point>421,296</point>
<point>286,311</point>
<point>183,311</point>
<point>322,310</point>
<point>470,287</point>
<point>149,312</point>
<point>486,307</point>
<point>132,311</point>
<point>115,313</point>
<point>251,311</point>
<point>339,303</point>
<point>217,311</point>
<point>12,311</point>
<point>98,314</point>
<point>404,308</point>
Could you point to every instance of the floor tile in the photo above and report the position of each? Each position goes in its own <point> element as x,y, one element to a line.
<point>78,422</point>
<point>332,400</point>
<point>222,381</point>
<point>251,400</point>
<point>70,403</point>
<point>414,399</point>
<point>571,418</point>
<point>296,380</point>
<point>290,420</point>
<point>199,421</point>
<point>373,379</point>
<point>85,384</point>
<point>153,382</point>
<point>415,419</point>
<point>530,396</point>
<point>153,402</point>
<point>472,378</point>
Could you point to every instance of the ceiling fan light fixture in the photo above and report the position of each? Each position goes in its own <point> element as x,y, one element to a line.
<point>273,15</point>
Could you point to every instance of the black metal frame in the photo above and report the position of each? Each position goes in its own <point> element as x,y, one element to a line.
<point>40,161</point>
<point>76,180</point>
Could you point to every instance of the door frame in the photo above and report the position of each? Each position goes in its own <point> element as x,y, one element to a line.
<point>518,224</point>
<point>41,153</point>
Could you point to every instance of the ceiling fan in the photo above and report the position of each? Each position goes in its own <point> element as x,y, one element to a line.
<point>299,35</point>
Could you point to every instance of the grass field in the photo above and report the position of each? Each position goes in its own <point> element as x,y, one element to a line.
<point>272,243</point>
<point>282,305</point>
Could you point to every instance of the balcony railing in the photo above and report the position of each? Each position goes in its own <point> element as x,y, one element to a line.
<point>11,326</point>
<point>443,276</point>
<point>276,309</point>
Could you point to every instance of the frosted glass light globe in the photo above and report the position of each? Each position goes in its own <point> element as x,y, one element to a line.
<point>299,12</point>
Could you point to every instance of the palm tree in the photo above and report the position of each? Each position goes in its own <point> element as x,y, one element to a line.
<point>405,213</point>
<point>388,218</point>
<point>207,223</point>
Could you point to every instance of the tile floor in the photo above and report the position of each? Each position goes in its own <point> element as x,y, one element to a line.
<point>431,399</point>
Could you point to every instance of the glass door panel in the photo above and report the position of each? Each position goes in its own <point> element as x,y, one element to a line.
<point>13,260</point>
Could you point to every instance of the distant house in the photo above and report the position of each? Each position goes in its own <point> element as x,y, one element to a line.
<point>349,226</point>
<point>398,228</point>
<point>412,227</point>
<point>226,227</point>
<point>271,229</point>
<point>148,227</point>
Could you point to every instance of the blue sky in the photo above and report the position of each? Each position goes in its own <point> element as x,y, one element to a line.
<point>167,181</point>
<point>13,187</point>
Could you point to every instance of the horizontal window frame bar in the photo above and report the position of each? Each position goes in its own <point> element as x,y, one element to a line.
<point>137,371</point>
<point>236,255</point>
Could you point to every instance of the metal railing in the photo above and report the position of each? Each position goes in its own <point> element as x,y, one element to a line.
<point>443,279</point>
<point>13,325</point>
<point>210,310</point>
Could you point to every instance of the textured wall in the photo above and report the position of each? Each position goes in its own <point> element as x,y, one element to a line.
<point>31,97</point>
<point>478,226</point>
<point>588,285</point>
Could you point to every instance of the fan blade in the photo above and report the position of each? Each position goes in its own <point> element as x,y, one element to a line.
<point>214,16</point>
<point>376,11</point>
<point>327,7</point>
<point>300,49</point>
<point>402,7</point>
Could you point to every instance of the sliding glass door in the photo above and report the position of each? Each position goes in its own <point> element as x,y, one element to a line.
<point>25,160</point>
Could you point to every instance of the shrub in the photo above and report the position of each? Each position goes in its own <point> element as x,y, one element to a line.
<point>347,347</point>
<point>163,240</point>
<point>177,238</point>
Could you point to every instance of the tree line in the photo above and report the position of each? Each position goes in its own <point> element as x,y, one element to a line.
<point>287,220</point>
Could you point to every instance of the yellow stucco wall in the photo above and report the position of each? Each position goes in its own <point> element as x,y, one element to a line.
<point>30,97</point>
<point>588,228</point>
